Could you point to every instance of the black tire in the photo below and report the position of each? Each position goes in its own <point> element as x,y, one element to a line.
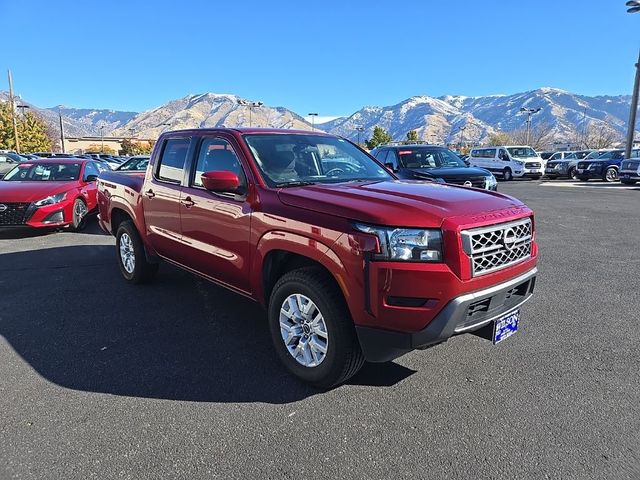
<point>143,271</point>
<point>507,175</point>
<point>78,220</point>
<point>343,357</point>
<point>572,173</point>
<point>610,175</point>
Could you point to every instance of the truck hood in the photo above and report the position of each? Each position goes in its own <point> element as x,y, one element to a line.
<point>399,203</point>
<point>24,192</point>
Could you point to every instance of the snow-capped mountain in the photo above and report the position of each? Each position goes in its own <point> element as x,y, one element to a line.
<point>78,122</point>
<point>440,119</point>
<point>209,110</point>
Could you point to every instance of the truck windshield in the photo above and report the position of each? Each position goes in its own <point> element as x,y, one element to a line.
<point>521,152</point>
<point>298,159</point>
<point>44,172</point>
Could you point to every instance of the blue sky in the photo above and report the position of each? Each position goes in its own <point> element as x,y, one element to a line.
<point>325,56</point>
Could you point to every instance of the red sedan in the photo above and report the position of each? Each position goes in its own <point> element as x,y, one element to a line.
<point>49,193</point>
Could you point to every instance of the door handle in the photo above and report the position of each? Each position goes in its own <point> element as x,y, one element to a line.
<point>150,193</point>
<point>187,202</point>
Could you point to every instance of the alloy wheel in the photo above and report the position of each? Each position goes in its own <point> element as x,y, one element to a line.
<point>127,254</point>
<point>303,330</point>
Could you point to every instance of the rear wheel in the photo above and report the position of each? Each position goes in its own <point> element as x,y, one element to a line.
<point>133,263</point>
<point>507,175</point>
<point>80,211</point>
<point>312,330</point>
<point>611,175</point>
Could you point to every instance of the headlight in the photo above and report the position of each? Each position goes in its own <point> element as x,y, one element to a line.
<point>50,200</point>
<point>407,244</point>
<point>490,182</point>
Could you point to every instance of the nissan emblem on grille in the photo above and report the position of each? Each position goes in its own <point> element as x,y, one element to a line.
<point>497,246</point>
<point>3,208</point>
<point>467,183</point>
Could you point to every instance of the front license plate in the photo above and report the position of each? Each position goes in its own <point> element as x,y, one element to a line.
<point>580,170</point>
<point>506,326</point>
<point>626,176</point>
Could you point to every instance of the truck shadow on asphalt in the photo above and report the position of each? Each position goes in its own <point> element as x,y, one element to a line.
<point>79,325</point>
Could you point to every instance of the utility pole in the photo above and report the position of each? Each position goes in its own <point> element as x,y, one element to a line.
<point>359,130</point>
<point>13,112</point>
<point>529,112</point>
<point>61,131</point>
<point>634,110</point>
<point>102,138</point>
<point>313,123</point>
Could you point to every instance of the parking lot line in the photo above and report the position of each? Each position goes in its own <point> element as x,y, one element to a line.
<point>591,185</point>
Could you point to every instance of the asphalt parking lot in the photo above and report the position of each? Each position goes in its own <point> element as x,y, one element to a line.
<point>178,379</point>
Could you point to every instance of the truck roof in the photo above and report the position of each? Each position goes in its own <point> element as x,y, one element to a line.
<point>249,130</point>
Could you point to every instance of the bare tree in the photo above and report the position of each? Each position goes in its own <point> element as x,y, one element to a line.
<point>540,136</point>
<point>499,138</point>
<point>597,136</point>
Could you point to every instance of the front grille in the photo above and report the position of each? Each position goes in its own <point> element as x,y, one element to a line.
<point>532,165</point>
<point>13,213</point>
<point>477,182</point>
<point>498,246</point>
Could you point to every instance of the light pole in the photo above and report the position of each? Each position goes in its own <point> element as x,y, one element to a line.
<point>462,129</point>
<point>313,123</point>
<point>433,135</point>
<point>359,130</point>
<point>251,105</point>
<point>132,132</point>
<point>101,138</point>
<point>634,7</point>
<point>529,112</point>
<point>22,108</point>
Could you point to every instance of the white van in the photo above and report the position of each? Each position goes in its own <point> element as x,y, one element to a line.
<point>508,161</point>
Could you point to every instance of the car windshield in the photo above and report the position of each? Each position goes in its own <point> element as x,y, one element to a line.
<point>135,164</point>
<point>296,159</point>
<point>44,172</point>
<point>422,157</point>
<point>521,152</point>
<point>613,155</point>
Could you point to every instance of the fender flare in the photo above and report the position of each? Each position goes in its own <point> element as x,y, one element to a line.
<point>300,245</point>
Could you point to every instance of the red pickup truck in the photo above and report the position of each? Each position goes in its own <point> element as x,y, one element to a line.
<point>350,263</point>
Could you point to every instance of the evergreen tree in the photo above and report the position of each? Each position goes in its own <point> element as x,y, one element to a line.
<point>412,136</point>
<point>33,134</point>
<point>380,136</point>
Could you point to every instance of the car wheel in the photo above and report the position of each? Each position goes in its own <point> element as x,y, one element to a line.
<point>312,330</point>
<point>507,175</point>
<point>572,173</point>
<point>80,211</point>
<point>611,175</point>
<point>132,259</point>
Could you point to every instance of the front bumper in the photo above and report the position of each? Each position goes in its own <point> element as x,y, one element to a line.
<point>629,175</point>
<point>25,214</point>
<point>466,313</point>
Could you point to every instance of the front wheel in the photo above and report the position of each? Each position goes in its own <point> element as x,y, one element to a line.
<point>80,211</point>
<point>611,175</point>
<point>133,263</point>
<point>507,175</point>
<point>312,330</point>
<point>572,173</point>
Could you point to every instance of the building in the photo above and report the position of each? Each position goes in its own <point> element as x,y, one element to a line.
<point>77,145</point>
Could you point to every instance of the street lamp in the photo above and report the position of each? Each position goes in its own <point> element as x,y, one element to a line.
<point>359,130</point>
<point>634,7</point>
<point>22,108</point>
<point>101,138</point>
<point>313,123</point>
<point>251,105</point>
<point>132,132</point>
<point>529,112</point>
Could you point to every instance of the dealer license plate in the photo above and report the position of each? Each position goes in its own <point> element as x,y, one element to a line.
<point>506,326</point>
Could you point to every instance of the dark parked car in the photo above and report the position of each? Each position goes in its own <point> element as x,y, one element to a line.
<point>630,169</point>
<point>565,166</point>
<point>431,162</point>
<point>8,161</point>
<point>605,167</point>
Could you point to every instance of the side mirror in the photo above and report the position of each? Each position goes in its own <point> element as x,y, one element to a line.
<point>91,178</point>
<point>390,166</point>
<point>467,162</point>
<point>220,181</point>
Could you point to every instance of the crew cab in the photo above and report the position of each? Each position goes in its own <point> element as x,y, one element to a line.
<point>350,263</point>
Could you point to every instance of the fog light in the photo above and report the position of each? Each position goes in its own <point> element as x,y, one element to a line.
<point>55,217</point>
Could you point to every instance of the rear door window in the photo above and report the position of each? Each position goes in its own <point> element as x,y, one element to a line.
<point>173,159</point>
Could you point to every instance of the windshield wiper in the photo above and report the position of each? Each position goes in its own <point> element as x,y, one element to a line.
<point>294,183</point>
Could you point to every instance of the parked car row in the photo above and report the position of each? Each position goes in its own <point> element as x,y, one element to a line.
<point>584,165</point>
